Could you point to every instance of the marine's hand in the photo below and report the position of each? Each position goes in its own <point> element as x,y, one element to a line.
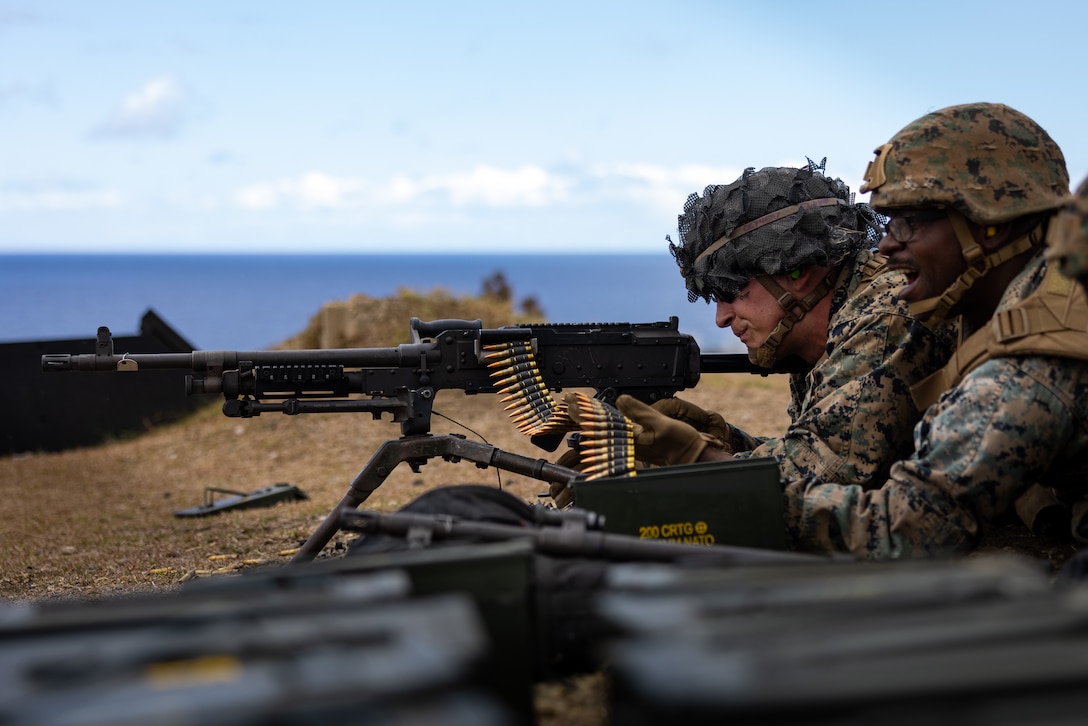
<point>561,493</point>
<point>659,439</point>
<point>703,421</point>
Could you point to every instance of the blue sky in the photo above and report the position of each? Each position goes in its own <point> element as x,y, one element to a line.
<point>474,126</point>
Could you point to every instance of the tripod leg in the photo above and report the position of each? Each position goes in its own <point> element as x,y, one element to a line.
<point>422,448</point>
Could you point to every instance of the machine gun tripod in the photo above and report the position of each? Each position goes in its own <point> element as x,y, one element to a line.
<point>417,450</point>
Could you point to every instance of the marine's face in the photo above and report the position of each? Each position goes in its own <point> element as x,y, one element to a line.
<point>752,315</point>
<point>925,248</point>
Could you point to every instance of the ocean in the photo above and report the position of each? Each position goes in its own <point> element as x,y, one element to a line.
<point>252,302</point>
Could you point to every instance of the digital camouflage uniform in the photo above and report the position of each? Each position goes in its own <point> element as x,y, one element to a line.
<point>1010,423</point>
<point>1014,411</point>
<point>852,414</point>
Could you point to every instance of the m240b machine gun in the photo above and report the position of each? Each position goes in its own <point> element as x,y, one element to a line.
<point>649,361</point>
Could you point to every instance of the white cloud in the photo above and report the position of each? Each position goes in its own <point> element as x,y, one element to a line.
<point>661,189</point>
<point>312,190</point>
<point>665,188</point>
<point>155,109</point>
<point>59,199</point>
<point>486,186</point>
<point>258,196</point>
<point>527,186</point>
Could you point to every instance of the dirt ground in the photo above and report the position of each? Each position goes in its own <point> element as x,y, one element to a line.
<point>100,520</point>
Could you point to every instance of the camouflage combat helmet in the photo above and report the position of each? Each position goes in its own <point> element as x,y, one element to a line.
<point>983,162</point>
<point>1068,237</point>
<point>768,222</point>
<point>989,161</point>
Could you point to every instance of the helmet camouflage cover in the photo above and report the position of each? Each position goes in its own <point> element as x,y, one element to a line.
<point>1068,238</point>
<point>767,222</point>
<point>988,161</point>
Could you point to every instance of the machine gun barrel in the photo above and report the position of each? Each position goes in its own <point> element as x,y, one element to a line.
<point>217,360</point>
<point>649,361</point>
<point>740,363</point>
<point>526,363</point>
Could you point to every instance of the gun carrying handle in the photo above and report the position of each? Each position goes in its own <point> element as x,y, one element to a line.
<point>432,329</point>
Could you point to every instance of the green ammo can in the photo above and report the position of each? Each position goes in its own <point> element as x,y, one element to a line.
<point>736,503</point>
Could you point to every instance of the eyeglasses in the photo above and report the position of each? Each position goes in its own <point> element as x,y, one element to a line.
<point>901,229</point>
<point>722,296</point>
<point>711,292</point>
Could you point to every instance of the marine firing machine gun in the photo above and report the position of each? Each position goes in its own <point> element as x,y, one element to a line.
<point>649,361</point>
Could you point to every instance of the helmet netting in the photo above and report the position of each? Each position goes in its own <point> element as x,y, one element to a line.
<point>817,236</point>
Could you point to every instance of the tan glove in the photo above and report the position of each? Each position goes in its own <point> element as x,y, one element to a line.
<point>659,439</point>
<point>561,493</point>
<point>705,422</point>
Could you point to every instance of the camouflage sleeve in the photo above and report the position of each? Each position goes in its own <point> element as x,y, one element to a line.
<point>742,442</point>
<point>977,449</point>
<point>857,415</point>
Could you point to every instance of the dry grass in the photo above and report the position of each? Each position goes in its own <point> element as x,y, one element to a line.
<point>100,520</point>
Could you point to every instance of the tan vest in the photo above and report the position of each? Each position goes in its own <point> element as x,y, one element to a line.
<point>1051,321</point>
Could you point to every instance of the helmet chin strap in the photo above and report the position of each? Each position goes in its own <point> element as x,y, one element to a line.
<point>934,311</point>
<point>766,355</point>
